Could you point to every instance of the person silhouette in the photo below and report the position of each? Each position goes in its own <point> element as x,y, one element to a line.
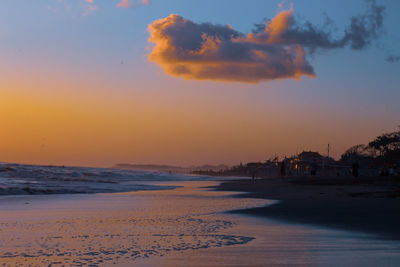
<point>354,169</point>
<point>283,169</point>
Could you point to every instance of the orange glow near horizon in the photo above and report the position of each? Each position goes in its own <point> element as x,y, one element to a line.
<point>77,129</point>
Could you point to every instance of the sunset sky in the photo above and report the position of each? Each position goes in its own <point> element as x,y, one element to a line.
<point>100,82</point>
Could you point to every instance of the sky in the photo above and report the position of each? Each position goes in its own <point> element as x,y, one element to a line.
<point>185,82</point>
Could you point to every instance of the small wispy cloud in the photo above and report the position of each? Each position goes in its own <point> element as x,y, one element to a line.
<point>124,4</point>
<point>131,3</point>
<point>392,59</point>
<point>89,6</point>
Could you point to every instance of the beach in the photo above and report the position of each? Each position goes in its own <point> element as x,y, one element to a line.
<point>189,224</point>
<point>199,133</point>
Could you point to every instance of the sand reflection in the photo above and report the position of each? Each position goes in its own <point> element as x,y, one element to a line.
<point>116,228</point>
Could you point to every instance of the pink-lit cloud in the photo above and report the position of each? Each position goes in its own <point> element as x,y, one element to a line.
<point>215,52</point>
<point>277,49</point>
<point>124,4</point>
<point>88,6</point>
<point>132,3</point>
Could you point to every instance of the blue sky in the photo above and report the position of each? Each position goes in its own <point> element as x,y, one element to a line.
<point>101,58</point>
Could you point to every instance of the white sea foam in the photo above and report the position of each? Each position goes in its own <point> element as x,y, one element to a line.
<point>18,179</point>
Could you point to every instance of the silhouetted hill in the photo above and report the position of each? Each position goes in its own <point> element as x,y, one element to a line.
<point>168,168</point>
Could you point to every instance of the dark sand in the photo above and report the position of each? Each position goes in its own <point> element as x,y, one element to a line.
<point>370,205</point>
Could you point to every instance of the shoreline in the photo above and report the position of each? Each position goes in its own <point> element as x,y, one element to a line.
<point>363,205</point>
<point>190,224</point>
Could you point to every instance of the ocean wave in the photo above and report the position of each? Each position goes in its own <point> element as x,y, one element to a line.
<point>17,179</point>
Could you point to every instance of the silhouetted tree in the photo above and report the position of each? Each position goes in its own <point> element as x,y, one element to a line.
<point>386,143</point>
<point>357,153</point>
<point>383,149</point>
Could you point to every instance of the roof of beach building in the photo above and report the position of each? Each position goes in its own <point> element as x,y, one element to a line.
<point>309,155</point>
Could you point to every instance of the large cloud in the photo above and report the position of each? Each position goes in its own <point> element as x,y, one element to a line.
<point>277,49</point>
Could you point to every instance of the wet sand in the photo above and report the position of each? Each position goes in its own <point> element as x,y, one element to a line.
<point>188,226</point>
<point>370,205</point>
<point>119,228</point>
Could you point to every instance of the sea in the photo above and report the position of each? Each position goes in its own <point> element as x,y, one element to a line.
<point>20,179</point>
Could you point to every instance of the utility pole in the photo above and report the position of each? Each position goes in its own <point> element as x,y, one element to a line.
<point>329,147</point>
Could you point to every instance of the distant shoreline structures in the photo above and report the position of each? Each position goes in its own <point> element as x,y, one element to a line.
<point>381,157</point>
<point>168,168</point>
